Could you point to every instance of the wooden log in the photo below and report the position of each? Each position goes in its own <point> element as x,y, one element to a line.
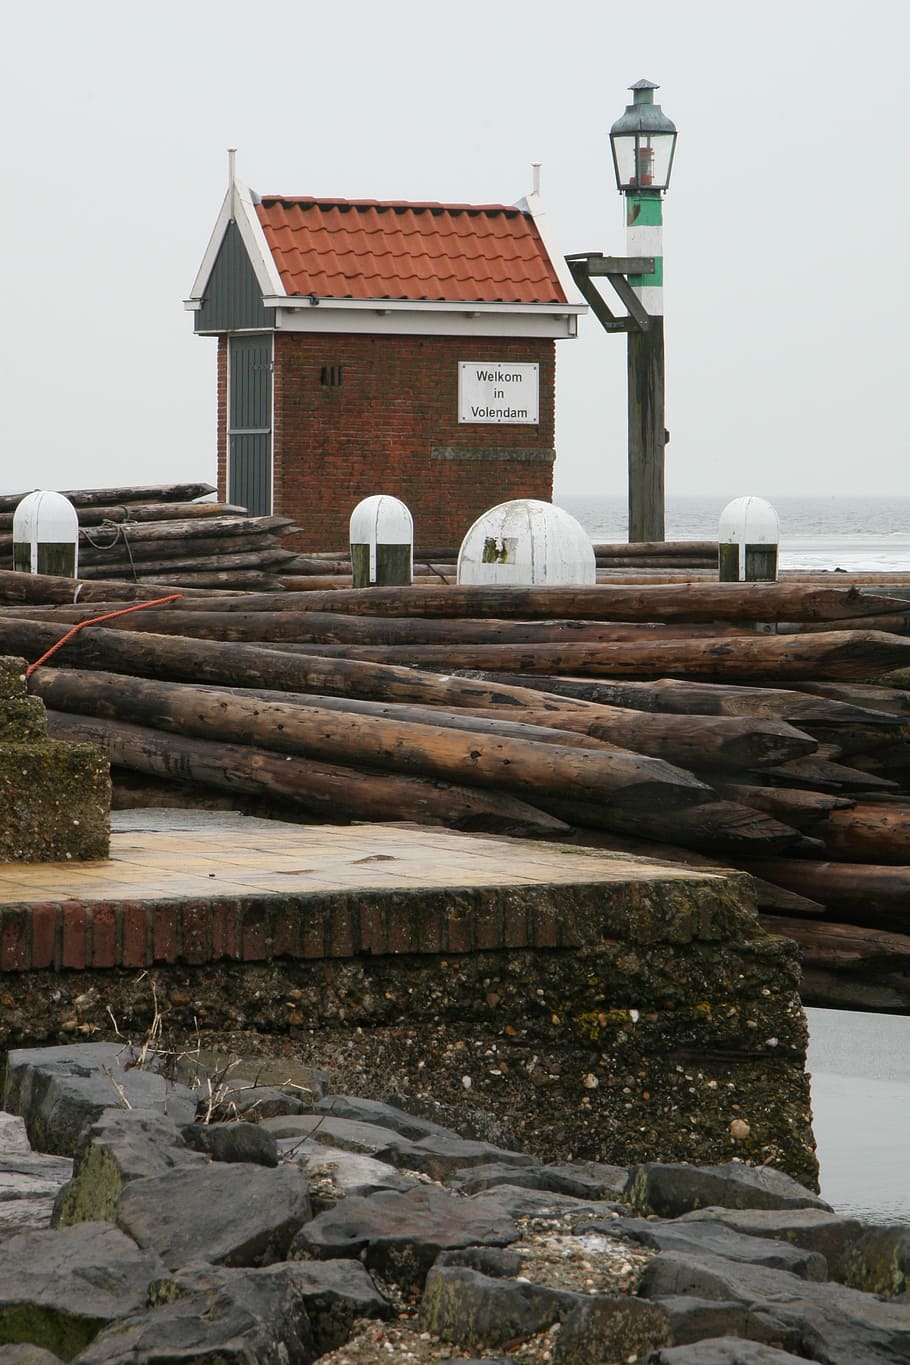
<point>891,763</point>
<point>339,629</point>
<point>845,946</point>
<point>259,562</point>
<point>308,565</point>
<point>611,562</point>
<point>821,774</point>
<point>714,825</point>
<point>96,497</point>
<point>272,558</point>
<point>18,588</point>
<point>680,697</point>
<point>152,511</point>
<point>170,554</point>
<point>327,791</point>
<point>896,623</point>
<point>727,742</point>
<point>193,528</point>
<point>846,966</point>
<point>317,583</point>
<point>223,580</point>
<point>803,809</point>
<point>769,898</point>
<point>868,832</point>
<point>686,601</point>
<point>179,659</point>
<point>495,721</point>
<point>855,655</point>
<point>861,737</point>
<point>866,894</point>
<point>523,766</point>
<point>869,695</point>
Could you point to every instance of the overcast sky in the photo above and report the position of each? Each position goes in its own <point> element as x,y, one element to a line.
<point>785,227</point>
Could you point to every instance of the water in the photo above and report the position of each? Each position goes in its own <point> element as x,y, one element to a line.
<point>860,1067</point>
<point>860,1063</point>
<point>815,533</point>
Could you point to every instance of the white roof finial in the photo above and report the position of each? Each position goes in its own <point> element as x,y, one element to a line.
<point>232,172</point>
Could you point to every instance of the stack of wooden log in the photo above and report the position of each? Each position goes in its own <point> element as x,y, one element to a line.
<point>432,564</point>
<point>764,727</point>
<point>170,534</point>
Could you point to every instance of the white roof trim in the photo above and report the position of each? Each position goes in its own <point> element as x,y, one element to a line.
<point>238,207</point>
<point>464,306</point>
<point>532,204</point>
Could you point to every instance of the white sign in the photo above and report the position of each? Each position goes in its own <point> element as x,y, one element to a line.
<point>498,391</point>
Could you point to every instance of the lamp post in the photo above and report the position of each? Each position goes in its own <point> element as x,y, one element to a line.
<point>643,142</point>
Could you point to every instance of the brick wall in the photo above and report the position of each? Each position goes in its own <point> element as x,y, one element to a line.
<point>376,432</point>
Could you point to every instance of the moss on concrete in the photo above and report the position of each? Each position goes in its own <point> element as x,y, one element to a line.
<point>54,802</point>
<point>55,798</point>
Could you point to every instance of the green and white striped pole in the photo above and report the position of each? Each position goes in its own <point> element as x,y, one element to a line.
<point>643,143</point>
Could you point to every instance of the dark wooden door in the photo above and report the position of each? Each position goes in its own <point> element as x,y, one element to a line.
<point>250,422</point>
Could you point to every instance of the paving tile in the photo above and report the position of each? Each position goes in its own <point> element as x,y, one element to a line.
<point>160,864</point>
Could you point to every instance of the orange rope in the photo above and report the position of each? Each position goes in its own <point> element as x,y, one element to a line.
<point>95,621</point>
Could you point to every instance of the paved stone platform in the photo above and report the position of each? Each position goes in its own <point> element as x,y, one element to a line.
<point>166,854</point>
<point>201,886</point>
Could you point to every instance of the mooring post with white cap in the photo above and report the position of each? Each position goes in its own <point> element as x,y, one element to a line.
<point>46,535</point>
<point>382,543</point>
<point>748,536</point>
<point>643,142</point>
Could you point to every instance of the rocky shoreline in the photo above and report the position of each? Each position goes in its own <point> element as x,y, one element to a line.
<point>159,1210</point>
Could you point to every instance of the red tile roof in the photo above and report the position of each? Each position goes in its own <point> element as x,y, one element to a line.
<point>364,249</point>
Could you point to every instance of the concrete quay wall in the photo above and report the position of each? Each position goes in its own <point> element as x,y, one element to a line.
<point>641,1015</point>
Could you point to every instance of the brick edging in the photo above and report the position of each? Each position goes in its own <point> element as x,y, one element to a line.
<point>70,934</point>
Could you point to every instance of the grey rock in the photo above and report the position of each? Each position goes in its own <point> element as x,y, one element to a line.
<point>497,1262</point>
<point>119,1146</point>
<point>600,1328</point>
<point>60,1288</point>
<point>348,1134</point>
<point>557,1179</point>
<point>25,1354</point>
<point>716,1239</point>
<point>878,1261</point>
<point>835,1238</point>
<point>726,1351</point>
<point>470,1309</point>
<point>57,1090</point>
<point>464,1119</point>
<point>838,1325</point>
<point>247,1318</point>
<point>333,1174</point>
<point>210,1073</point>
<point>693,1319</point>
<point>674,1188</point>
<point>13,1137</point>
<point>511,1201</point>
<point>232,1142</point>
<point>334,1293</point>
<point>29,1181</point>
<point>228,1214</point>
<point>251,1102</point>
<point>440,1156</point>
<point>383,1115</point>
<point>400,1235</point>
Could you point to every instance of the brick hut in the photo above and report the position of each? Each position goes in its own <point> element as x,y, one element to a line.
<point>369,347</point>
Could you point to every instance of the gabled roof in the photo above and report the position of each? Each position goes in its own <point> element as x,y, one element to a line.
<point>418,267</point>
<point>428,252</point>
